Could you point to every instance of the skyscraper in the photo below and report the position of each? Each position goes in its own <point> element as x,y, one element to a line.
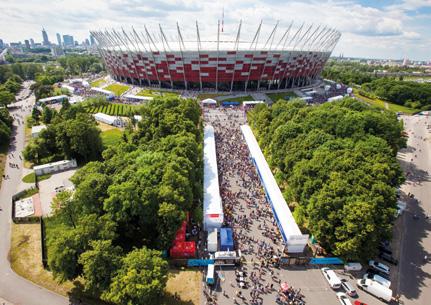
<point>68,40</point>
<point>27,44</point>
<point>31,42</point>
<point>92,40</point>
<point>1,44</point>
<point>58,39</point>
<point>45,41</point>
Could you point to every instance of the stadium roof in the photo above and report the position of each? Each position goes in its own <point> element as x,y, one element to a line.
<point>303,37</point>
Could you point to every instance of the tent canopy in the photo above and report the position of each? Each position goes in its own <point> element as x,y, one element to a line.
<point>209,101</point>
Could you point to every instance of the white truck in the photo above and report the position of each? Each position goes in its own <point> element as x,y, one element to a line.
<point>372,287</point>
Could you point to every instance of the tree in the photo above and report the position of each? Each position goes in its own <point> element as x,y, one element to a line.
<point>63,254</point>
<point>47,115</point>
<point>337,163</point>
<point>140,279</point>
<point>99,265</point>
<point>6,97</point>
<point>67,244</point>
<point>170,219</point>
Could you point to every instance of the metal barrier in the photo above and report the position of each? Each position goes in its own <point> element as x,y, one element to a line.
<point>326,261</point>
<point>199,262</point>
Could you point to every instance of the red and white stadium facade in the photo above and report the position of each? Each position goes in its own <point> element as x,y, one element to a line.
<point>294,60</point>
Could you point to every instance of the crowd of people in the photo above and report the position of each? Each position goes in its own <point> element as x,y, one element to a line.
<point>248,213</point>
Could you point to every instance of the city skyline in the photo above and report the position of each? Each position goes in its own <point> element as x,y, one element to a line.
<point>383,29</point>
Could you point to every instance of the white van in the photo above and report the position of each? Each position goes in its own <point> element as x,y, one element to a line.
<point>372,287</point>
<point>210,275</point>
<point>331,277</point>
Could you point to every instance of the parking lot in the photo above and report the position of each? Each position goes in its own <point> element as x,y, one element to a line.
<point>309,280</point>
<point>47,188</point>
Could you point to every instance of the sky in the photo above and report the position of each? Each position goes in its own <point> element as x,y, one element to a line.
<point>393,29</point>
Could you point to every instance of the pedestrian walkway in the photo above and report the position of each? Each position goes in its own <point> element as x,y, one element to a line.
<point>4,302</point>
<point>248,213</point>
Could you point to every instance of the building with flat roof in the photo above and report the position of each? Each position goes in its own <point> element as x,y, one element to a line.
<point>35,130</point>
<point>212,208</point>
<point>290,232</point>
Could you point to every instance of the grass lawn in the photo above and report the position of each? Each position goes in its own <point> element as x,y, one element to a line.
<point>98,82</point>
<point>155,93</point>
<point>3,154</point>
<point>381,104</point>
<point>115,109</point>
<point>281,95</point>
<point>413,78</point>
<point>117,89</point>
<point>186,283</point>
<point>111,137</point>
<point>204,96</point>
<point>239,99</point>
<point>31,178</point>
<point>26,258</point>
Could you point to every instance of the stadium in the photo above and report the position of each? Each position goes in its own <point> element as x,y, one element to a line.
<point>240,60</point>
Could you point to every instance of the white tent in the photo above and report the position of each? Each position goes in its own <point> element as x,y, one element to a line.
<point>292,236</point>
<point>213,209</point>
<point>209,101</point>
<point>108,119</point>
<point>140,98</point>
<point>249,103</point>
<point>335,98</point>
<point>53,99</point>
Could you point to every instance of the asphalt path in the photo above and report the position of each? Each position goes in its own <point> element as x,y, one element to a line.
<point>414,284</point>
<point>14,288</point>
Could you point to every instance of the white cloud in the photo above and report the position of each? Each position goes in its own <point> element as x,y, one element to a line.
<point>366,30</point>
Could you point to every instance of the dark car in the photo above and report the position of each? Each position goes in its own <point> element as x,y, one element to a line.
<point>374,271</point>
<point>388,258</point>
<point>385,249</point>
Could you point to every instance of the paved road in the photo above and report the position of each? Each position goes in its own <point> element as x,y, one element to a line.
<point>14,288</point>
<point>415,274</point>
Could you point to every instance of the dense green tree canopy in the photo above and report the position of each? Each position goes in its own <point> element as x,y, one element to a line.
<point>337,163</point>
<point>406,93</point>
<point>142,191</point>
<point>72,134</point>
<point>140,279</point>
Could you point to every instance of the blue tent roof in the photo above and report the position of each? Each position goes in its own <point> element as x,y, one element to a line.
<point>226,239</point>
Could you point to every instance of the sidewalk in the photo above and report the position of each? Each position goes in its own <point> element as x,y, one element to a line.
<point>4,302</point>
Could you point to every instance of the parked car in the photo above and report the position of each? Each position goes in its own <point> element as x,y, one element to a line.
<point>388,258</point>
<point>379,266</point>
<point>353,267</point>
<point>379,279</point>
<point>357,302</point>
<point>331,277</point>
<point>401,206</point>
<point>374,271</point>
<point>348,288</point>
<point>343,298</point>
<point>59,189</point>
<point>385,249</point>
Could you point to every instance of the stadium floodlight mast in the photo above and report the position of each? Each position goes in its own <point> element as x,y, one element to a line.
<point>284,59</point>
